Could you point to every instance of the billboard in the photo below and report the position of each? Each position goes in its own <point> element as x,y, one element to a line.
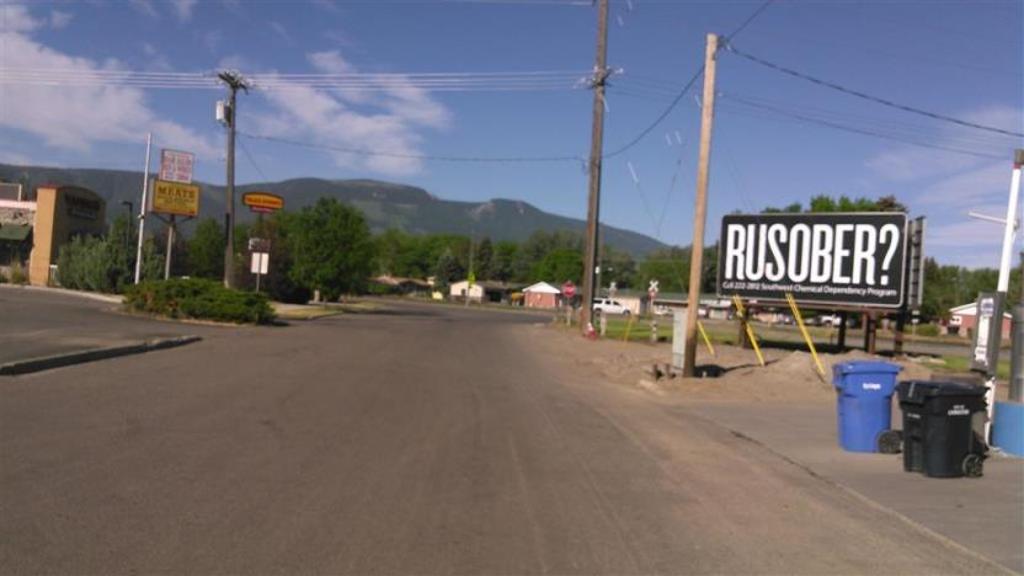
<point>839,259</point>
<point>175,199</point>
<point>176,166</point>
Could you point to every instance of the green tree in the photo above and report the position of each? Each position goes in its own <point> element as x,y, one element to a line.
<point>483,259</point>
<point>507,263</point>
<point>331,247</point>
<point>206,250</point>
<point>447,270</point>
<point>558,266</point>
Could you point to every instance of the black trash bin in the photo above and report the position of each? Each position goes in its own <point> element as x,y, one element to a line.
<point>938,434</point>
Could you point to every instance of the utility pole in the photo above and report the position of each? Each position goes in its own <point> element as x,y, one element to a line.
<point>142,210</point>
<point>707,120</point>
<point>590,262</point>
<point>234,81</point>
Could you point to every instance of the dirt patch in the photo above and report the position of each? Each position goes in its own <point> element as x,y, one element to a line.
<point>734,372</point>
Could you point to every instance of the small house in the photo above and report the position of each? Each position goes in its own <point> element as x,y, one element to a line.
<point>483,291</point>
<point>963,319</point>
<point>542,295</point>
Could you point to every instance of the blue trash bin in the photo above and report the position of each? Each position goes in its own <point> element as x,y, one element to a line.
<point>864,403</point>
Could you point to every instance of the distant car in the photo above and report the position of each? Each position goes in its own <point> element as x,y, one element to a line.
<point>833,320</point>
<point>609,306</point>
<point>662,311</point>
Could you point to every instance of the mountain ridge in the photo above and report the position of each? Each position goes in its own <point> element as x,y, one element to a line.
<point>385,204</point>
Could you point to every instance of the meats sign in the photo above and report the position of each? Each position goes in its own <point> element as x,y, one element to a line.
<point>838,259</point>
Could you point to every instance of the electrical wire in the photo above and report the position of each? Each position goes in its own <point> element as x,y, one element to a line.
<point>686,88</point>
<point>857,130</point>
<point>369,82</point>
<point>885,102</point>
<point>425,157</point>
<point>241,144</point>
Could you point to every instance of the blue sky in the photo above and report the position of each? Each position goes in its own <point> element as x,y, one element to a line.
<point>961,59</point>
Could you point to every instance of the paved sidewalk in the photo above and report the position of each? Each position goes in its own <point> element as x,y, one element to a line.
<point>985,515</point>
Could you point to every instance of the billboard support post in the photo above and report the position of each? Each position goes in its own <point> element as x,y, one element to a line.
<point>170,248</point>
<point>841,338</point>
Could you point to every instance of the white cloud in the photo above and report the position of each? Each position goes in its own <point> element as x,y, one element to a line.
<point>327,5</point>
<point>979,184</point>
<point>59,19</point>
<point>15,158</point>
<point>944,185</point>
<point>76,118</point>
<point>16,18</point>
<point>183,9</point>
<point>147,7</point>
<point>386,120</point>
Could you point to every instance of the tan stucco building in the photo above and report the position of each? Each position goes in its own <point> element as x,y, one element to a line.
<point>57,214</point>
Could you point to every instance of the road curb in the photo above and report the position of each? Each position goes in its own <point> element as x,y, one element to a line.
<point>96,296</point>
<point>82,356</point>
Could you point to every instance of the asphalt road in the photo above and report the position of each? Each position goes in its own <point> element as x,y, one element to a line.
<point>35,323</point>
<point>423,440</point>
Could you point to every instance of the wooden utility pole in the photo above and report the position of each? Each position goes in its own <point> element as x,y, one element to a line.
<point>590,261</point>
<point>707,120</point>
<point>234,81</point>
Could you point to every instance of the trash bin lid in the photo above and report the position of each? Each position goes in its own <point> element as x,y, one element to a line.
<point>867,366</point>
<point>917,391</point>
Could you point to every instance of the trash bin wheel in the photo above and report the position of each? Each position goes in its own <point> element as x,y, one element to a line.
<point>973,466</point>
<point>890,442</point>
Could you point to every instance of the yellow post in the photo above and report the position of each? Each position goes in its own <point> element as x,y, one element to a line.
<point>747,328</point>
<point>707,341</point>
<point>629,326</point>
<point>803,330</point>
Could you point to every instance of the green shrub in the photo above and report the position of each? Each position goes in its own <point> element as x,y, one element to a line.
<point>18,274</point>
<point>928,330</point>
<point>200,299</point>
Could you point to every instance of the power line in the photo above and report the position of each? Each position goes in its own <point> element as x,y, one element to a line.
<point>425,157</point>
<point>253,161</point>
<point>434,81</point>
<point>869,97</point>
<point>686,88</point>
<point>863,131</point>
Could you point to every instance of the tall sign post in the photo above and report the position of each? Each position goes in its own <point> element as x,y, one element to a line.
<point>261,203</point>
<point>142,210</point>
<point>174,195</point>
<point>992,339</point>
<point>707,120</point>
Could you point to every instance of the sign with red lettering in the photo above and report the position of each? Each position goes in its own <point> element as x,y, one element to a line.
<point>176,166</point>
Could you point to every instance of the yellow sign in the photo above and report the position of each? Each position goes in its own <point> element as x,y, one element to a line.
<point>175,198</point>
<point>262,201</point>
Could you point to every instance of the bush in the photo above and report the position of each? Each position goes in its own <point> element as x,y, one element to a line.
<point>18,274</point>
<point>928,330</point>
<point>198,299</point>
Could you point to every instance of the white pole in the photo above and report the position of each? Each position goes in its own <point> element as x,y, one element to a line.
<point>1011,225</point>
<point>142,210</point>
<point>1009,233</point>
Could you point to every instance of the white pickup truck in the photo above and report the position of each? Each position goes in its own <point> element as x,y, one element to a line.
<point>609,306</point>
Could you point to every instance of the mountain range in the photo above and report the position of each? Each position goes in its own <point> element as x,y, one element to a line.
<point>386,205</point>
